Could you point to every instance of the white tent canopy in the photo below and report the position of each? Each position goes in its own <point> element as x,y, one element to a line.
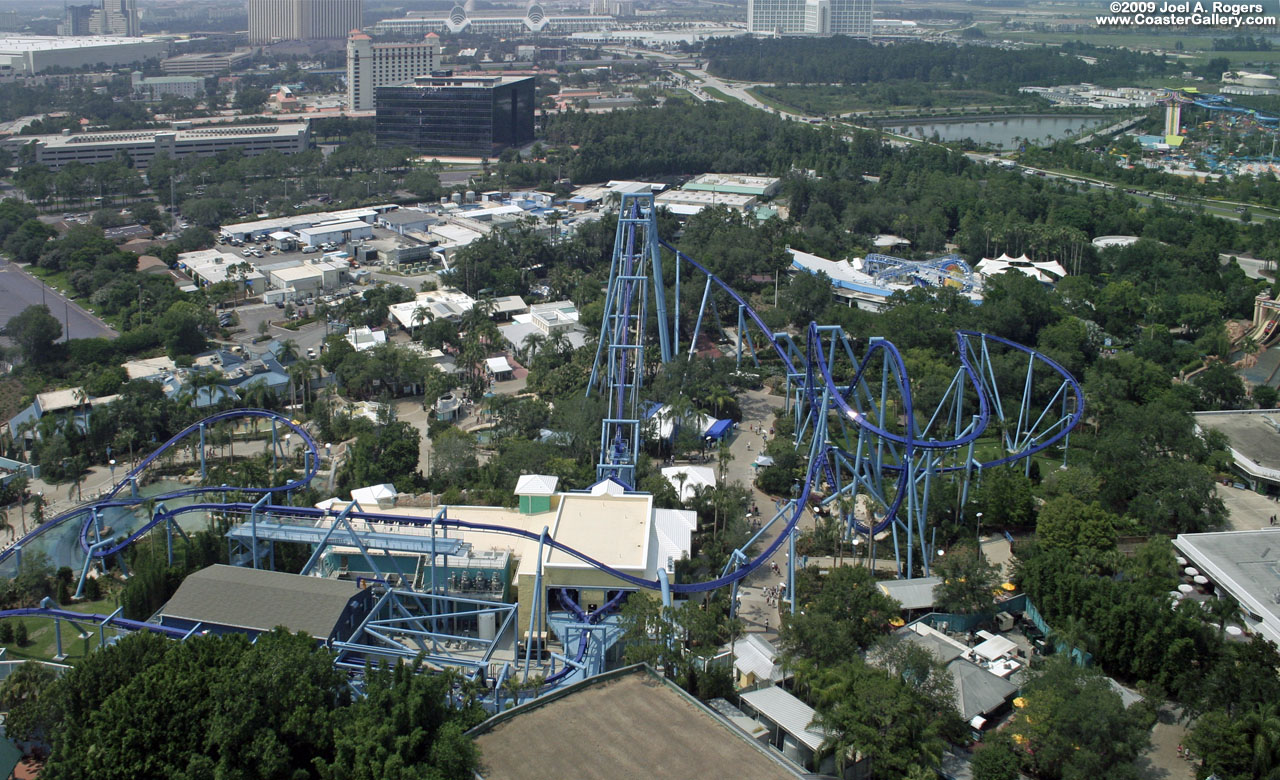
<point>1046,272</point>
<point>383,495</point>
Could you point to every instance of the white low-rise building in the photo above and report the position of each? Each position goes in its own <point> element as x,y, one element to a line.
<point>335,232</point>
<point>209,266</point>
<point>364,338</point>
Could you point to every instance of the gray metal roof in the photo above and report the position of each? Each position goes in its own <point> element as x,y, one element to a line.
<point>261,600</point>
<point>978,691</point>
<point>945,652</point>
<point>911,594</point>
<point>792,715</point>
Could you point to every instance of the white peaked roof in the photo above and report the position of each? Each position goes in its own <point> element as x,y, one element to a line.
<point>695,477</point>
<point>673,531</point>
<point>608,487</point>
<point>753,654</point>
<point>329,502</point>
<point>792,715</point>
<point>536,485</point>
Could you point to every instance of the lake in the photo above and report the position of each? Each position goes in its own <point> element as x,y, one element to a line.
<point>1000,131</point>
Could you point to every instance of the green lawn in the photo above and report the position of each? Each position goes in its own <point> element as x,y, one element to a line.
<point>759,94</point>
<point>718,95</point>
<point>42,641</point>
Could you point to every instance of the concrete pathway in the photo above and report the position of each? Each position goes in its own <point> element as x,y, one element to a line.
<point>1161,761</point>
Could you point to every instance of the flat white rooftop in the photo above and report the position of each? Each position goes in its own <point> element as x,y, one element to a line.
<point>289,130</point>
<point>1245,564</point>
<point>12,44</point>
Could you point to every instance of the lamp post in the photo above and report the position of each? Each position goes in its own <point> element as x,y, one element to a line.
<point>112,464</point>
<point>979,531</point>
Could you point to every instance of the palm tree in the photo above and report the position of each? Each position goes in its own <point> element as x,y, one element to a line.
<point>681,478</point>
<point>533,343</point>
<point>1072,632</point>
<point>1262,725</point>
<point>1221,610</point>
<point>288,352</point>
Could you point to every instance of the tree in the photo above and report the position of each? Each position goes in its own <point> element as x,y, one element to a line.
<point>388,454</point>
<point>424,184</point>
<point>250,100</point>
<point>1069,523</point>
<point>20,634</point>
<point>1247,746</point>
<point>1265,396</point>
<point>997,758</point>
<point>1075,726</point>
<point>182,328</point>
<point>840,613</point>
<point>34,331</point>
<point>866,713</point>
<point>1004,496</point>
<point>1220,387</point>
<point>219,705</point>
<point>969,581</point>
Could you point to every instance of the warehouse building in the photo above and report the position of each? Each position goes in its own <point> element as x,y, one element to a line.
<point>157,87</point>
<point>242,231</point>
<point>589,731</point>
<point>28,54</point>
<point>339,232</point>
<point>206,64</point>
<point>736,184</point>
<point>234,600</point>
<point>55,151</point>
<point>307,278</point>
<point>209,266</point>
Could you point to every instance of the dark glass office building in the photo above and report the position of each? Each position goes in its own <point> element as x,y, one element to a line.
<point>463,115</point>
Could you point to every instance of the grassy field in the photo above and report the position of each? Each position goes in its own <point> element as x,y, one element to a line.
<point>760,95</point>
<point>42,641</point>
<point>718,95</point>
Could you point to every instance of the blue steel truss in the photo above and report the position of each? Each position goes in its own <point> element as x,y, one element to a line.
<point>618,371</point>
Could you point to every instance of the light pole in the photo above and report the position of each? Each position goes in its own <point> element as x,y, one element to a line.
<point>112,464</point>
<point>979,531</point>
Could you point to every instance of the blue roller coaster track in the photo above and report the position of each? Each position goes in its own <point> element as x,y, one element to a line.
<point>869,441</point>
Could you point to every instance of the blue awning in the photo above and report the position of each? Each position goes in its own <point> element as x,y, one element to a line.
<point>719,429</point>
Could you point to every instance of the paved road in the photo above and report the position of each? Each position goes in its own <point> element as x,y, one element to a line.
<point>18,290</point>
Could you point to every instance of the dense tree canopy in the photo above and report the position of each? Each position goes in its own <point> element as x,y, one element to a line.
<point>220,706</point>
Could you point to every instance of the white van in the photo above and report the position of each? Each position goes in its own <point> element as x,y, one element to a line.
<point>309,248</point>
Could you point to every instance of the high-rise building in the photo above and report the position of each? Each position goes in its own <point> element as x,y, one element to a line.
<point>115,17</point>
<point>302,20</point>
<point>75,20</point>
<point>371,65</point>
<point>465,115</point>
<point>810,17</point>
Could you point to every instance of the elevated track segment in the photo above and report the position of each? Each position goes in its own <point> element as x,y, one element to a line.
<point>876,447</point>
